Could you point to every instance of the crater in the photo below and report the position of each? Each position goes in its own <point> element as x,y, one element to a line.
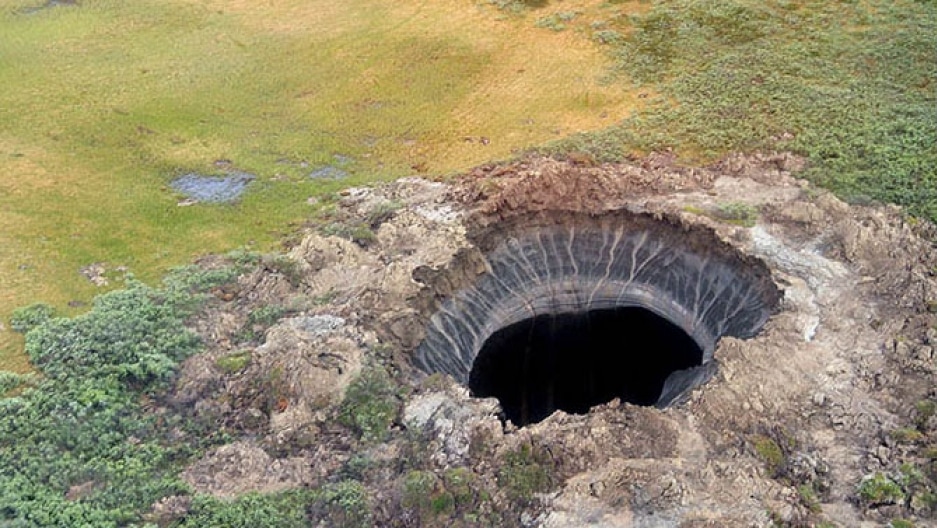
<point>569,311</point>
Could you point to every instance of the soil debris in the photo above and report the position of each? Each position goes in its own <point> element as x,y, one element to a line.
<point>793,429</point>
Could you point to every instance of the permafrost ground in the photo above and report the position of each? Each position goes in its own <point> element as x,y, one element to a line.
<point>581,263</point>
<point>815,319</point>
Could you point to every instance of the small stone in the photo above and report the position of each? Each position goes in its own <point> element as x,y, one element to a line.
<point>902,349</point>
<point>253,418</point>
<point>924,352</point>
<point>95,273</point>
<point>930,337</point>
<point>883,454</point>
<point>169,508</point>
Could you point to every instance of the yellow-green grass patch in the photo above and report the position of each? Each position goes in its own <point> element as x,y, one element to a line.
<point>104,103</point>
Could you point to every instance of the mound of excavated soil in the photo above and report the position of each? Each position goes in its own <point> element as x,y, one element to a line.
<point>790,423</point>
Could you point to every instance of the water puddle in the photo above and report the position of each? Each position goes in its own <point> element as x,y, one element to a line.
<point>48,5</point>
<point>328,173</point>
<point>213,189</point>
<point>334,171</point>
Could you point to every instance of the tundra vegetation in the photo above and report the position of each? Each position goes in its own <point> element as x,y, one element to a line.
<point>104,103</point>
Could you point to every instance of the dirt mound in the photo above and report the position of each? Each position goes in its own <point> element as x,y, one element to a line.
<point>826,415</point>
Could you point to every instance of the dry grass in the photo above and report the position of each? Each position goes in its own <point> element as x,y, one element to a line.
<point>104,103</point>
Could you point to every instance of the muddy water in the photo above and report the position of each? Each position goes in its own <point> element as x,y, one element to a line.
<point>214,189</point>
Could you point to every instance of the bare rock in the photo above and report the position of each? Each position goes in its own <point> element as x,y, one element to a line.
<point>452,420</point>
<point>169,509</point>
<point>242,467</point>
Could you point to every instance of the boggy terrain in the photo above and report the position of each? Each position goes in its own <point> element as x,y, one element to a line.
<point>826,417</point>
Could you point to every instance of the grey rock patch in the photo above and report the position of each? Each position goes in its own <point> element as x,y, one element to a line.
<point>95,273</point>
<point>443,213</point>
<point>243,467</point>
<point>421,409</point>
<point>452,419</point>
<point>316,325</point>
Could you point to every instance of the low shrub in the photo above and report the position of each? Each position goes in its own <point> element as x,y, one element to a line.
<point>80,432</point>
<point>770,453</point>
<point>525,472</point>
<point>278,510</point>
<point>77,447</point>
<point>879,489</point>
<point>344,504</point>
<point>371,404</point>
<point>737,213</point>
<point>28,317</point>
<point>258,321</point>
<point>234,362</point>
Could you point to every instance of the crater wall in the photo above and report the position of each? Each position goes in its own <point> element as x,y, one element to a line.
<point>576,263</point>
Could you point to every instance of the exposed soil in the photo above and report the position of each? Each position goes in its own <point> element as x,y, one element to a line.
<point>783,434</point>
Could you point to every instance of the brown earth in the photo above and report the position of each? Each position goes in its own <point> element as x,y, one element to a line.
<point>828,394</point>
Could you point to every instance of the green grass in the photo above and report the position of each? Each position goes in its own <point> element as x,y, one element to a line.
<point>880,489</point>
<point>850,85</point>
<point>769,452</point>
<point>234,362</point>
<point>279,510</point>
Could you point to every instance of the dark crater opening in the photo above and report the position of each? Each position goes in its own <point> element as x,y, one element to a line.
<point>568,311</point>
<point>574,361</point>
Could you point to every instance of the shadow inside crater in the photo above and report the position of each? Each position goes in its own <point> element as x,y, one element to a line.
<point>574,361</point>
